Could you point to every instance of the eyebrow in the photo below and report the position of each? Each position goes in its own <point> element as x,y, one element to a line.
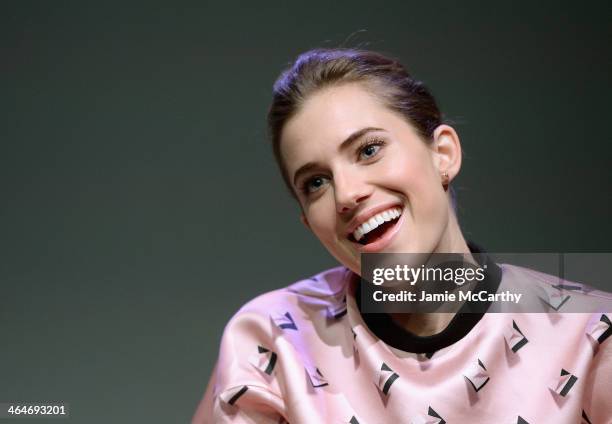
<point>343,146</point>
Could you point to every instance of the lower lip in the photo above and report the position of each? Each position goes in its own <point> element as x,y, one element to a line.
<point>384,241</point>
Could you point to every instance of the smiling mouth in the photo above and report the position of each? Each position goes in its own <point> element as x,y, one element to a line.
<point>376,227</point>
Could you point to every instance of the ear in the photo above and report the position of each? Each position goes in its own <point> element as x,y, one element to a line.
<point>447,150</point>
<point>304,221</point>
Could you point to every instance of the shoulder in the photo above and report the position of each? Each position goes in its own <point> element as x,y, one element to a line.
<point>298,306</point>
<point>269,342</point>
<point>561,294</point>
<point>515,271</point>
<point>319,288</point>
<point>294,310</point>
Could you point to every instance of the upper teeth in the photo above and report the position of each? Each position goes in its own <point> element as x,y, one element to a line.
<point>375,221</point>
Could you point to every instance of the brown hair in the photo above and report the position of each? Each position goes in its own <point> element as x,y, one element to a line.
<point>385,77</point>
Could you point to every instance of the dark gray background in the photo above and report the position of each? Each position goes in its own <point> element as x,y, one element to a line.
<point>141,205</point>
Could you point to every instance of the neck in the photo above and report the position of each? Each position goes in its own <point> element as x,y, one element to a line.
<point>452,240</point>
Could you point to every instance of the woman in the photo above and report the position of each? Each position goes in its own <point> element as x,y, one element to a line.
<point>363,149</point>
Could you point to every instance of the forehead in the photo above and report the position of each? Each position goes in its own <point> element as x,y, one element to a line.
<point>327,118</point>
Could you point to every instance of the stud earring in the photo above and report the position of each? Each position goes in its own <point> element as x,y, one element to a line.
<point>445,180</point>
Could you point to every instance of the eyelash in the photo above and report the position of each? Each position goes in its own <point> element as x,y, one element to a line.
<point>373,141</point>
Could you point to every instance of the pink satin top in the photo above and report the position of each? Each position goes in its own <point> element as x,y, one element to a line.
<point>303,354</point>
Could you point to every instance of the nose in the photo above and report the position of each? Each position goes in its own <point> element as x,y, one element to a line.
<point>349,192</point>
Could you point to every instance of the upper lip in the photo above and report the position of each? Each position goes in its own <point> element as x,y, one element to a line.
<point>369,213</point>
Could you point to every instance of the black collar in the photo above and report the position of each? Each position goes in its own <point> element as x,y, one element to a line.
<point>398,337</point>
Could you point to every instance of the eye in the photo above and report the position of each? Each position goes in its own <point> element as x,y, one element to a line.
<point>370,148</point>
<point>313,184</point>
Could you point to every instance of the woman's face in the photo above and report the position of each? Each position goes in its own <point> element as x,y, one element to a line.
<point>356,165</point>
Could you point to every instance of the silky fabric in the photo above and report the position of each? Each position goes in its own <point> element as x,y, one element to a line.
<point>304,354</point>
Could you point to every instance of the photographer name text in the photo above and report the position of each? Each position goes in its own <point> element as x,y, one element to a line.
<point>470,296</point>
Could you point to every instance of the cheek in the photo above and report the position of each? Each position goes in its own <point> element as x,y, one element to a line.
<point>408,176</point>
<point>416,179</point>
<point>321,220</point>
